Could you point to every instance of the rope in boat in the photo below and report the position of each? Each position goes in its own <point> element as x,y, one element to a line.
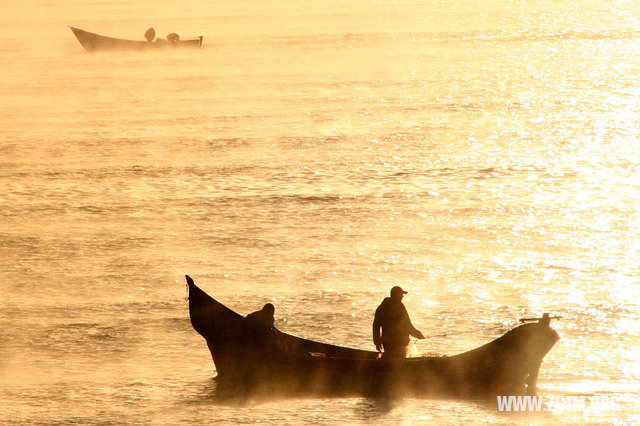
<point>468,331</point>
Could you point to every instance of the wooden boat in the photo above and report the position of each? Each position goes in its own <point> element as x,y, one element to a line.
<point>92,42</point>
<point>506,366</point>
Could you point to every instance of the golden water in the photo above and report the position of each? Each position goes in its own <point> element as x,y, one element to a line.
<point>483,155</point>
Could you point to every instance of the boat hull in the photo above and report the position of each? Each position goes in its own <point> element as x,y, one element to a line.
<point>95,42</point>
<point>506,366</point>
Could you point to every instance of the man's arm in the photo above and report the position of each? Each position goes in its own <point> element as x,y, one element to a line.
<point>416,333</point>
<point>376,331</point>
<point>412,330</point>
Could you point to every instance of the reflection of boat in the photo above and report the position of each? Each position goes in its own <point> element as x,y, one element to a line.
<point>92,42</point>
<point>506,366</point>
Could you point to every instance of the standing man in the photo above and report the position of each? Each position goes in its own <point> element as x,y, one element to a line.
<point>392,317</point>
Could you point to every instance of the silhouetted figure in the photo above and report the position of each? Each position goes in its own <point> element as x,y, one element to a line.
<point>150,34</point>
<point>258,332</point>
<point>392,317</point>
<point>173,38</point>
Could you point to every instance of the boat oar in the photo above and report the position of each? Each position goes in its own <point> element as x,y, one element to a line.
<point>544,317</point>
<point>544,320</point>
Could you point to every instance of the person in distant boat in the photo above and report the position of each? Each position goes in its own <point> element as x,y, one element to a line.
<point>257,330</point>
<point>173,38</point>
<point>150,34</point>
<point>393,320</point>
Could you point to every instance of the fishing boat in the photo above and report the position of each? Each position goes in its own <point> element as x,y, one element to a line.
<point>508,365</point>
<point>93,42</point>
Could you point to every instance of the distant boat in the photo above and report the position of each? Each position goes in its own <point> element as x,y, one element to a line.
<point>92,42</point>
<point>508,365</point>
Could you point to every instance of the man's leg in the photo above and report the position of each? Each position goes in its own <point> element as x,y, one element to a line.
<point>394,350</point>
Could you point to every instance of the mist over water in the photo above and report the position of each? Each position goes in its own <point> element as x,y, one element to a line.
<point>485,157</point>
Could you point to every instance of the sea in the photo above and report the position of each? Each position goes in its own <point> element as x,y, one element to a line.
<point>484,155</point>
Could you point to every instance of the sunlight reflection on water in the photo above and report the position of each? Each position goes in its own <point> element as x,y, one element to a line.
<point>482,156</point>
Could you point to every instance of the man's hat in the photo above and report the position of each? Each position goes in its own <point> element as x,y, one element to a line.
<point>269,308</point>
<point>397,290</point>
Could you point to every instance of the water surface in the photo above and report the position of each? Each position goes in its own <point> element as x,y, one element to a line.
<point>482,156</point>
